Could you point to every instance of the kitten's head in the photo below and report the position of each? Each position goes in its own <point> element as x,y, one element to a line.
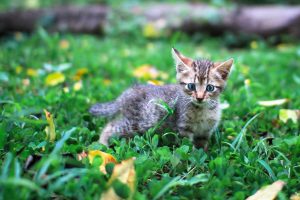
<point>202,80</point>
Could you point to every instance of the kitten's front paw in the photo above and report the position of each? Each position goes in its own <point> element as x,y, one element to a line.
<point>201,142</point>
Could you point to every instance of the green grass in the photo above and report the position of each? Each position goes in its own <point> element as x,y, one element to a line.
<point>241,158</point>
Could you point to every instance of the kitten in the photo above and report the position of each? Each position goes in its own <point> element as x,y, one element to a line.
<point>194,99</point>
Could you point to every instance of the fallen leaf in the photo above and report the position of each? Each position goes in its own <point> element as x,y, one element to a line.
<point>253,45</point>
<point>224,105</point>
<point>57,68</point>
<point>150,31</point>
<point>295,196</point>
<point>146,72</point>
<point>31,72</point>
<point>273,102</point>
<point>155,82</point>
<point>66,89</point>
<point>55,78</point>
<point>82,155</point>
<point>80,73</point>
<point>286,114</point>
<point>106,158</point>
<point>125,173</point>
<point>245,69</point>
<point>50,130</point>
<point>64,44</point>
<point>19,69</point>
<point>18,36</point>
<point>26,82</point>
<point>268,192</point>
<point>77,86</point>
<point>247,82</point>
<point>107,82</point>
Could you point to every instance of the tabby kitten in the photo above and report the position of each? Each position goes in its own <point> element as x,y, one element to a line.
<point>194,99</point>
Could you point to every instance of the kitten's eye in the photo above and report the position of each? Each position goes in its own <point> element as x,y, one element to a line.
<point>191,86</point>
<point>210,88</point>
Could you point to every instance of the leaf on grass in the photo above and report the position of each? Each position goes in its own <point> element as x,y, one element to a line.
<point>80,73</point>
<point>125,173</point>
<point>146,71</point>
<point>55,78</point>
<point>50,130</point>
<point>64,44</point>
<point>106,158</point>
<point>19,69</point>
<point>273,102</point>
<point>269,192</point>
<point>31,72</point>
<point>295,196</point>
<point>107,82</point>
<point>77,86</point>
<point>150,31</point>
<point>286,114</point>
<point>149,72</point>
<point>224,105</point>
<point>155,82</point>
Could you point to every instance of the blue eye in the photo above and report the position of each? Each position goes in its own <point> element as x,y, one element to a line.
<point>191,86</point>
<point>210,88</point>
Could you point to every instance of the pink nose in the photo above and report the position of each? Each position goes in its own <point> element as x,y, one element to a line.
<point>199,99</point>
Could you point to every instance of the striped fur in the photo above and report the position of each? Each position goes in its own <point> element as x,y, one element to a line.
<point>138,109</point>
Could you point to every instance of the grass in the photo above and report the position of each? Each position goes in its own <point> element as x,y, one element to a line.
<point>250,149</point>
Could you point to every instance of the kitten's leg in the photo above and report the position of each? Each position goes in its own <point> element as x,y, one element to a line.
<point>118,127</point>
<point>201,141</point>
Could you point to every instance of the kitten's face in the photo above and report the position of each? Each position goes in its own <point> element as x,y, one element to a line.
<point>202,80</point>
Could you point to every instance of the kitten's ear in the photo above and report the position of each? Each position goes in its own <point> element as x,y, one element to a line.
<point>182,63</point>
<point>223,68</point>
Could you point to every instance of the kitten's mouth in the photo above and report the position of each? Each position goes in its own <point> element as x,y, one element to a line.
<point>198,103</point>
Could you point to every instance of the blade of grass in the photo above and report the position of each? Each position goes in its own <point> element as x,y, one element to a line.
<point>268,168</point>
<point>238,140</point>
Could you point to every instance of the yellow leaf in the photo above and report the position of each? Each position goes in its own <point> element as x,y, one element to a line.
<point>106,158</point>
<point>146,72</point>
<point>247,82</point>
<point>295,196</point>
<point>50,130</point>
<point>55,78</point>
<point>150,31</point>
<point>19,69</point>
<point>245,69</point>
<point>269,192</point>
<point>273,102</point>
<point>107,82</point>
<point>286,114</point>
<point>31,72</point>
<point>77,86</point>
<point>253,45</point>
<point>125,173</point>
<point>155,82</point>
<point>64,44</point>
<point>80,73</point>
<point>66,89</point>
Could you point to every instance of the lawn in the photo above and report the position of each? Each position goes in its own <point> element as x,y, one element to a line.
<point>251,148</point>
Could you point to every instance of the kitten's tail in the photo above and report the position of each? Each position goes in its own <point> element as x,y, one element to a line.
<point>105,109</point>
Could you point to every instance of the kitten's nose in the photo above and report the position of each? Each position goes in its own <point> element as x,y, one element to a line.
<point>199,99</point>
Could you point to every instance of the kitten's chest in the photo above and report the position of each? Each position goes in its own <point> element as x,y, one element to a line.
<point>201,121</point>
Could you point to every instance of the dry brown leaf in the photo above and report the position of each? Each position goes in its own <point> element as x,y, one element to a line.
<point>268,192</point>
